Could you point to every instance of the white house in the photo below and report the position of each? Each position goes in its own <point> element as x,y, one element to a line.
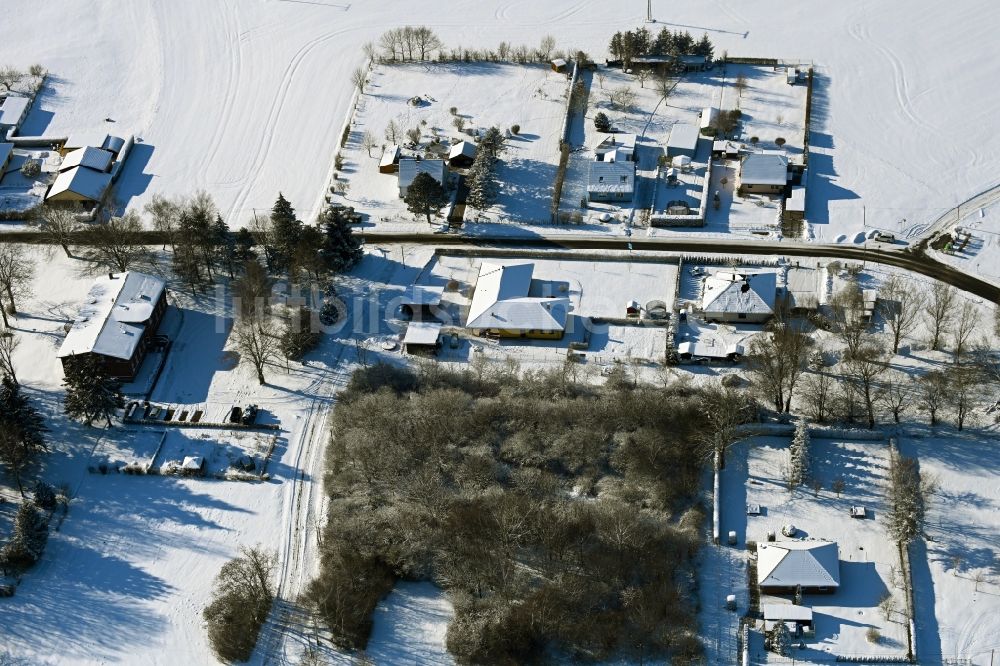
<point>612,173</point>
<point>79,185</point>
<point>812,566</point>
<point>501,305</point>
<point>13,110</point>
<point>746,296</point>
<point>763,173</point>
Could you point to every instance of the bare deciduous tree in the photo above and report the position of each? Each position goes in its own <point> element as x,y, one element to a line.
<point>59,225</point>
<point>966,324</point>
<point>817,394</point>
<point>368,142</point>
<point>116,244</point>
<point>359,77</point>
<point>664,86</point>
<point>963,388</point>
<point>622,97</point>
<point>545,48</point>
<point>17,270</point>
<point>392,132</point>
<point>777,358</point>
<point>900,304</point>
<point>642,76</point>
<point>165,214</point>
<point>740,84</point>
<point>864,367</point>
<point>847,311</point>
<point>8,343</point>
<point>932,392</point>
<point>896,394</point>
<point>939,311</point>
<point>257,341</point>
<point>601,78</point>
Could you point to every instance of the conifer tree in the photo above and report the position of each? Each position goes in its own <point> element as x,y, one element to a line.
<point>799,464</point>
<point>425,196</point>
<point>285,229</point>
<point>341,248</point>
<point>27,542</point>
<point>22,430</point>
<point>90,392</point>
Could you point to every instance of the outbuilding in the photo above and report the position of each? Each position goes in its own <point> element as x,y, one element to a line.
<point>13,111</point>
<point>559,65</point>
<point>683,140</point>
<point>462,155</point>
<point>79,185</point>
<point>97,159</point>
<point>390,160</point>
<point>421,336</point>
<point>421,301</point>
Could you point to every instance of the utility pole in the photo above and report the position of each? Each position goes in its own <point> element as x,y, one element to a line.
<point>649,11</point>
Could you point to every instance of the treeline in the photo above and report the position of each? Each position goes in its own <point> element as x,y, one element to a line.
<point>559,517</point>
<point>631,44</point>
<point>420,43</point>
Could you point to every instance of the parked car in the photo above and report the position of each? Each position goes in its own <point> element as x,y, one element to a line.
<point>885,237</point>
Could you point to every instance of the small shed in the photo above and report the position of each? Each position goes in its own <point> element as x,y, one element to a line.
<point>559,65</point>
<point>869,298</point>
<point>421,337</point>
<point>13,110</point>
<point>791,75</point>
<point>683,140</point>
<point>708,117</point>
<point>462,154</point>
<point>681,162</point>
<point>193,466</point>
<point>390,160</point>
<point>725,149</point>
<point>633,309</point>
<point>795,205</point>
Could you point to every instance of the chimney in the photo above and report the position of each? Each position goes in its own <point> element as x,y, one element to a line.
<point>111,276</point>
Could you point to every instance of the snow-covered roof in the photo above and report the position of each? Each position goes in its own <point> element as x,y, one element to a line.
<point>193,462</point>
<point>422,296</point>
<point>708,116</point>
<point>113,143</point>
<point>6,149</point>
<point>12,109</point>
<point>611,177</point>
<point>792,563</point>
<point>422,333</point>
<point>787,612</point>
<point>620,145</point>
<point>764,169</point>
<point>683,137</point>
<point>90,157</point>
<point>797,202</point>
<point>112,320</point>
<point>85,182</point>
<point>408,170</point>
<point>739,292</point>
<point>501,301</point>
<point>463,148</point>
<point>390,156</point>
<point>559,62</point>
<point>725,146</point>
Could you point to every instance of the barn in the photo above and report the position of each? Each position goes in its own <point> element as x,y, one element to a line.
<point>118,322</point>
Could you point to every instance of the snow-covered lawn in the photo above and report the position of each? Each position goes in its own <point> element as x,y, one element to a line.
<point>956,616</point>
<point>483,95</point>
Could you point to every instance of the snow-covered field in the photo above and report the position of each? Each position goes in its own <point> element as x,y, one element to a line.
<point>245,98</point>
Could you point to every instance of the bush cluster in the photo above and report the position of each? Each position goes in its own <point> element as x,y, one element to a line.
<point>559,517</point>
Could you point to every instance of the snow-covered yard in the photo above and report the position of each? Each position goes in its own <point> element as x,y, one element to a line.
<point>483,95</point>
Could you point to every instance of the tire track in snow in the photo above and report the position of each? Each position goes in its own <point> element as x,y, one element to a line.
<point>901,86</point>
<point>259,159</point>
<point>235,43</point>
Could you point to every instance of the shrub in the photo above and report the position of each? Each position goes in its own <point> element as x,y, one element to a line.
<point>37,70</point>
<point>453,110</point>
<point>338,162</point>
<point>346,135</point>
<point>873,635</point>
<point>240,603</point>
<point>780,141</point>
<point>515,129</point>
<point>45,496</point>
<point>31,168</point>
<point>709,131</point>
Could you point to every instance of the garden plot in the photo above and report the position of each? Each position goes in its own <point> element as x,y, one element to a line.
<point>483,95</point>
<point>869,560</point>
<point>771,108</point>
<point>20,193</point>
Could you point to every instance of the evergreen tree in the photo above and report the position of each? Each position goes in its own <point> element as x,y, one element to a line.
<point>243,246</point>
<point>22,430</point>
<point>482,183</point>
<point>798,472</point>
<point>601,122</point>
<point>285,229</point>
<point>425,196</point>
<point>779,640</point>
<point>493,144</point>
<point>27,543</point>
<point>225,243</point>
<point>90,392</point>
<point>341,248</point>
<point>704,47</point>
